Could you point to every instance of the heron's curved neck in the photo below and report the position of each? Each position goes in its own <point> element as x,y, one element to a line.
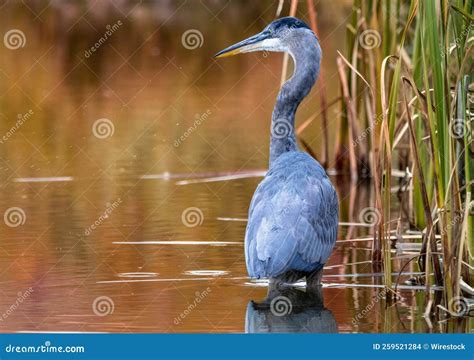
<point>306,56</point>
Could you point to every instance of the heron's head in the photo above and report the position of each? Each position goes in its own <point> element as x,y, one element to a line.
<point>282,35</point>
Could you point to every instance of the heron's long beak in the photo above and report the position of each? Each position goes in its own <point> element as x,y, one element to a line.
<point>253,43</point>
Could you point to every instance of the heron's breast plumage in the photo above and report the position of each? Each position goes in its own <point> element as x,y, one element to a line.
<point>293,218</point>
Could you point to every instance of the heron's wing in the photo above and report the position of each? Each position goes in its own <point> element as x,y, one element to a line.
<point>293,220</point>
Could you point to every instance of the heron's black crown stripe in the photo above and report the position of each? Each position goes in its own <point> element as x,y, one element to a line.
<point>289,22</point>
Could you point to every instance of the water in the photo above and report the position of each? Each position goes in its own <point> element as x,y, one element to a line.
<point>117,217</point>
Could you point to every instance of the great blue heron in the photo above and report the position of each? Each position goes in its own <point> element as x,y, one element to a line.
<point>293,216</point>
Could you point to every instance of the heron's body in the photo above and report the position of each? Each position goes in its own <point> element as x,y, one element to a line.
<point>293,215</point>
<point>292,219</point>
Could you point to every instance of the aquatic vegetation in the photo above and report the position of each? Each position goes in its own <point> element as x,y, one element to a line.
<point>406,100</point>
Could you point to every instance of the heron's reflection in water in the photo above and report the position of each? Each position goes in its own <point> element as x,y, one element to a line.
<point>290,310</point>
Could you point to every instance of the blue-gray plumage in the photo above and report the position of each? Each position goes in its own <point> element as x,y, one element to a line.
<point>293,216</point>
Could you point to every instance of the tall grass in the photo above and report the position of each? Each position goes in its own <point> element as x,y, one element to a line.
<point>409,85</point>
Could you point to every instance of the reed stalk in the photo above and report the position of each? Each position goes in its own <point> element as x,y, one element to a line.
<point>432,50</point>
